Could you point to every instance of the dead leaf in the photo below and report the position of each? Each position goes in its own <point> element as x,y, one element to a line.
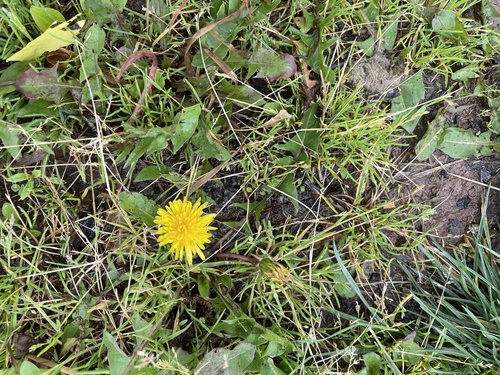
<point>59,56</point>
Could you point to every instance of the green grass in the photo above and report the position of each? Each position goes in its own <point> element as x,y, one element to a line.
<point>297,169</point>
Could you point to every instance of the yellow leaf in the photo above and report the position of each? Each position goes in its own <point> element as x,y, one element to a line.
<point>52,39</point>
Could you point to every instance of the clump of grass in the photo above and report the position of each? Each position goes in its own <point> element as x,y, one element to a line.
<point>459,293</point>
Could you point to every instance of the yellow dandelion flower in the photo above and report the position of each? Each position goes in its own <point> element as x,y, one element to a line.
<point>185,227</point>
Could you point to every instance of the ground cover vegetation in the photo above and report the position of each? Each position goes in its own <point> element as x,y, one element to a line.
<point>258,187</point>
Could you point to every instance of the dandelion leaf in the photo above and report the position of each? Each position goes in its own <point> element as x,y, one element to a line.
<point>268,64</point>
<point>41,85</point>
<point>227,362</point>
<point>138,205</point>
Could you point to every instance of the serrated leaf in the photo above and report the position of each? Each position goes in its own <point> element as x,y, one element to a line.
<point>389,36</point>
<point>373,363</point>
<point>466,73</point>
<point>138,205</point>
<point>44,17</point>
<point>103,10</point>
<point>203,286</point>
<point>12,73</point>
<point>38,107</point>
<point>310,137</point>
<point>90,72</point>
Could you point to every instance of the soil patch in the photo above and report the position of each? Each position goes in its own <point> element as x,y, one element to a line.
<point>456,190</point>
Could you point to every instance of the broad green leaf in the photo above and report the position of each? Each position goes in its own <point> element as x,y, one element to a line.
<point>141,329</point>
<point>152,173</point>
<point>269,368</point>
<point>288,187</point>
<point>464,74</point>
<point>90,72</point>
<point>264,9</point>
<point>186,124</point>
<point>268,64</point>
<point>373,363</point>
<point>53,38</point>
<point>208,147</point>
<point>310,135</point>
<point>102,11</point>
<point>407,104</point>
<point>274,349</point>
<point>18,177</point>
<point>28,368</point>
<point>44,17</point>
<point>11,74</point>
<point>138,205</point>
<point>447,24</point>
<point>10,139</point>
<point>203,286</point>
<point>459,143</point>
<point>38,108</point>
<point>429,142</point>
<point>8,210</point>
<point>367,46</point>
<point>227,362</point>
<point>118,360</point>
<point>408,352</point>
<point>491,14</point>
<point>389,36</point>
<point>342,286</point>
<point>245,96</point>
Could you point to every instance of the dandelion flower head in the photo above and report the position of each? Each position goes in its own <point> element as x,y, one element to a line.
<point>185,227</point>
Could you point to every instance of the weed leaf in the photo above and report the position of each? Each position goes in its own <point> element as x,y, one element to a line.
<point>447,24</point>
<point>28,368</point>
<point>412,92</point>
<point>288,187</point>
<point>118,360</point>
<point>44,17</point>
<point>187,123</point>
<point>227,362</point>
<point>429,142</point>
<point>103,11</point>
<point>269,64</point>
<point>41,85</point>
<point>459,143</point>
<point>269,368</point>
<point>138,205</point>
